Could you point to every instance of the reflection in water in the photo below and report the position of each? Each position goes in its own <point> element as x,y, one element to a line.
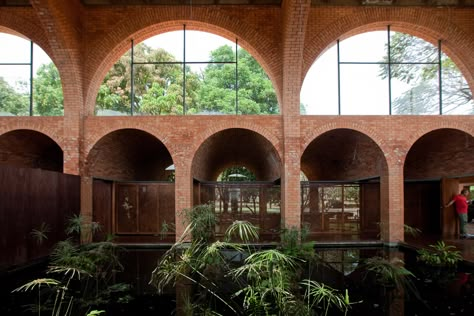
<point>439,291</point>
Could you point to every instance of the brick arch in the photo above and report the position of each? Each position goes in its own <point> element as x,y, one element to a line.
<point>19,25</point>
<point>25,28</point>
<point>372,133</point>
<point>108,49</point>
<point>429,25</point>
<point>29,148</point>
<point>324,157</point>
<point>414,136</point>
<point>257,151</point>
<point>98,135</point>
<point>44,129</point>
<point>200,138</point>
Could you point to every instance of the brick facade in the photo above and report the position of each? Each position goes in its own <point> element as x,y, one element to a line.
<point>84,42</point>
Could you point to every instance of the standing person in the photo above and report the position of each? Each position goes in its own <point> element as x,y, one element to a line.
<point>460,202</point>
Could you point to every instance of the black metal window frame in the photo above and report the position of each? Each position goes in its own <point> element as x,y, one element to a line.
<point>389,64</point>
<point>184,63</point>
<point>30,64</point>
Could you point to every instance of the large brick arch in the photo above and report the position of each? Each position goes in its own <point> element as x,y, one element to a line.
<point>413,137</point>
<point>200,138</point>
<point>430,25</point>
<point>266,140</point>
<point>108,129</point>
<point>46,129</point>
<point>130,138</point>
<point>30,148</point>
<point>108,49</point>
<point>372,133</point>
<point>20,25</point>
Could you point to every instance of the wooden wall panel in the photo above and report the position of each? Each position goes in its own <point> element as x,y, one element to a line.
<point>28,198</point>
<point>102,207</point>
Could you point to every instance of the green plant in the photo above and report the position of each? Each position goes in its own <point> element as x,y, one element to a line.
<point>269,276</point>
<point>201,221</point>
<point>59,292</point>
<point>440,254</point>
<point>40,234</point>
<point>412,231</point>
<point>166,228</point>
<point>389,273</point>
<point>77,224</point>
<point>293,242</point>
<point>244,230</point>
<point>323,296</point>
<point>240,279</point>
<point>82,277</point>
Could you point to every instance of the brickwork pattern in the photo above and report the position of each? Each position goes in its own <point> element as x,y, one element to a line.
<point>84,42</point>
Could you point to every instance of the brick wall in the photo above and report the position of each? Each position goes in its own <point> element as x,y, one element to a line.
<point>84,42</point>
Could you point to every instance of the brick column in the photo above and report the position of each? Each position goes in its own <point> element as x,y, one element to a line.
<point>183,192</point>
<point>295,15</point>
<point>392,204</point>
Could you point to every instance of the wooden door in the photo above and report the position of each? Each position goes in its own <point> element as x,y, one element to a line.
<point>449,218</point>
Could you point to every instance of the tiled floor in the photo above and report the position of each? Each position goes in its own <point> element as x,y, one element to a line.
<point>466,246</point>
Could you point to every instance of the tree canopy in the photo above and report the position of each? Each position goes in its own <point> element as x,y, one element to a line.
<point>11,101</point>
<point>47,91</point>
<point>158,85</point>
<point>47,94</point>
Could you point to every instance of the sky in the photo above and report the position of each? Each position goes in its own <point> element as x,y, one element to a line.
<point>19,52</point>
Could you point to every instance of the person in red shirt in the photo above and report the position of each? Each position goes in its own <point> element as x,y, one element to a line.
<point>460,202</point>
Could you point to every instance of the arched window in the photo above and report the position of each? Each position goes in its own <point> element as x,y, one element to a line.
<point>186,72</point>
<point>384,73</point>
<point>29,80</point>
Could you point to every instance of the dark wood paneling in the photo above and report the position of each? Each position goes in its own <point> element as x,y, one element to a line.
<point>370,209</point>
<point>140,210</point>
<point>102,207</point>
<point>28,198</point>
<point>148,208</point>
<point>422,211</point>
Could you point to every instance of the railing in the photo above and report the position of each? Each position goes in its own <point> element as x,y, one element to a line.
<point>340,208</point>
<point>256,202</point>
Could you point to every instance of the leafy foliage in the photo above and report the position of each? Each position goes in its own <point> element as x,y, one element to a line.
<point>11,101</point>
<point>389,273</point>
<point>40,234</point>
<point>440,254</point>
<point>47,91</point>
<point>240,280</point>
<point>323,296</point>
<point>159,85</point>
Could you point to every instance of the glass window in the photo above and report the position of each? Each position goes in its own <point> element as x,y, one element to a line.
<point>174,73</point>
<point>364,92</point>
<point>385,72</point>
<point>23,63</point>
<point>319,90</point>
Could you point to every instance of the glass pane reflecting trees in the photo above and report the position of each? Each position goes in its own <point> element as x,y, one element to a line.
<point>173,73</point>
<point>385,72</point>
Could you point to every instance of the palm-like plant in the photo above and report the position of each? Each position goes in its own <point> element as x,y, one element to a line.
<point>389,273</point>
<point>40,234</point>
<point>270,277</point>
<point>323,296</point>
